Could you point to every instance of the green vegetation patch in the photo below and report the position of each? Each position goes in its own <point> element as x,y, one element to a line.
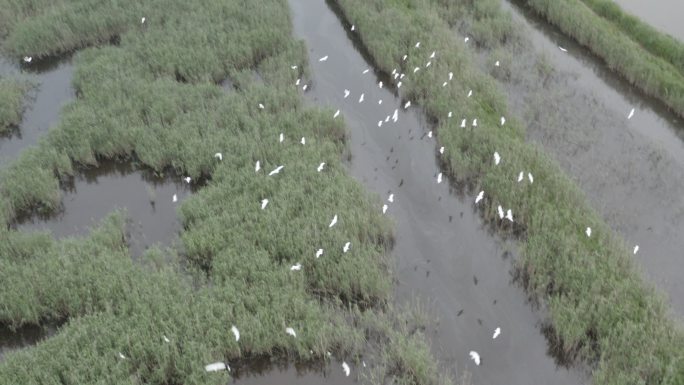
<point>600,310</point>
<point>12,95</point>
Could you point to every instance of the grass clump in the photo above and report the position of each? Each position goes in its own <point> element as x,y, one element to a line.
<point>655,74</point>
<point>12,95</point>
<point>600,310</point>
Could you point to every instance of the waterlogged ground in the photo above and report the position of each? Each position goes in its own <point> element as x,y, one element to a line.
<point>631,170</point>
<point>443,251</point>
<point>665,15</point>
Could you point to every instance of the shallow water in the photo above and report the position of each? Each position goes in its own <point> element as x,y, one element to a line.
<point>632,171</point>
<point>444,253</point>
<point>27,335</point>
<point>665,15</point>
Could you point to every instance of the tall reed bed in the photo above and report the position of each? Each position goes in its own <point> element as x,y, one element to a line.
<point>12,95</point>
<point>600,310</point>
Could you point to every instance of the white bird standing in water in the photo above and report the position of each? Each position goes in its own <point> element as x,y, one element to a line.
<point>479,197</point>
<point>346,247</point>
<point>509,215</point>
<point>216,366</point>
<point>175,198</point>
<point>264,203</point>
<point>296,267</point>
<point>346,369</point>
<point>390,198</point>
<point>441,150</point>
<point>399,85</point>
<point>324,58</point>
<point>333,222</point>
<point>497,158</point>
<point>320,167</point>
<point>336,114</point>
<point>395,115</point>
<point>466,39</point>
<point>319,252</point>
<point>439,178</point>
<point>361,98</point>
<point>588,231</point>
<point>562,49</point>
<point>631,113</point>
<point>346,93</point>
<point>187,179</point>
<point>276,170</point>
<point>380,84</point>
<point>501,213</point>
<point>475,357</point>
<point>521,176</point>
<point>305,87</point>
<point>365,71</point>
<point>291,332</point>
<point>218,155</point>
<point>497,331</point>
<point>407,104</point>
<point>257,166</point>
<point>636,249</point>
<point>430,134</point>
<point>352,27</point>
<point>236,333</point>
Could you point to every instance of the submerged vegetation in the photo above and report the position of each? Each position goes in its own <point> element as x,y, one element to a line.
<point>12,94</point>
<point>647,59</point>
<point>599,309</point>
<point>154,98</point>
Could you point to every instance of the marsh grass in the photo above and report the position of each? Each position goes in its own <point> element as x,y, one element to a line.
<point>12,96</point>
<point>601,311</point>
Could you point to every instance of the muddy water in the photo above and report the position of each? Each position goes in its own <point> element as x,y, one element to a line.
<point>665,15</point>
<point>53,90</point>
<point>631,170</point>
<point>443,252</point>
<point>95,193</point>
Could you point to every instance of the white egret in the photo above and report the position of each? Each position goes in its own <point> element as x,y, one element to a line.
<point>444,84</point>
<point>430,134</point>
<point>166,339</point>
<point>320,167</point>
<point>475,357</point>
<point>346,247</point>
<point>305,87</point>
<point>463,123</point>
<point>503,120</point>
<point>257,166</point>
<point>497,63</point>
<point>346,93</point>
<point>236,333</point>
<point>187,179</point>
<point>298,81</point>
<point>404,58</point>
<point>399,85</point>
<point>451,75</point>
<point>390,198</point>
<point>261,106</point>
<point>264,203</point>
<point>336,114</point>
<point>396,76</point>
<point>497,158</point>
<point>122,356</point>
<point>470,93</point>
<point>562,49</point>
<point>366,71</point>
<point>441,150</point>
<point>346,369</point>
<point>380,123</point>
<point>466,39</point>
<point>497,331</point>
<point>319,252</point>
<point>296,267</point>
<point>324,58</point>
<point>439,178</point>
<point>216,366</point>
<point>450,114</point>
<point>416,69</point>
<point>175,198</point>
<point>28,59</point>
<point>384,208</point>
<point>401,76</point>
<point>501,212</point>
<point>353,27</point>
<point>479,197</point>
<point>281,137</point>
<point>293,67</point>
<point>395,115</point>
<point>475,122</point>
<point>361,98</point>
<point>588,231</point>
<point>509,215</point>
<point>380,84</point>
<point>379,101</point>
<point>303,141</point>
<point>291,332</point>
<point>529,176</point>
<point>631,113</point>
<point>142,20</point>
<point>218,155</point>
<point>407,104</point>
<point>333,222</point>
<point>521,176</point>
<point>636,249</point>
<point>417,44</point>
<point>432,55</point>
<point>276,170</point>
<point>428,64</point>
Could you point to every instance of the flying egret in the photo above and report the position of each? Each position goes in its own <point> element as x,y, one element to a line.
<point>346,93</point>
<point>451,75</point>
<point>175,198</point>
<point>346,247</point>
<point>475,357</point>
<point>333,222</point>
<point>291,332</point>
<point>636,249</point>
<point>529,176</point>
<point>479,197</point>
<point>497,158</point>
<point>432,56</point>
<point>319,252</point>
<point>264,203</point>
<point>417,44</point>
<point>275,170</point>
<point>257,166</point>
<point>475,122</point>
<point>501,213</point>
<point>281,137</point>
<point>380,84</point>
<point>236,333</point>
<point>390,198</point>
<point>497,331</point>
<point>142,20</point>
<point>303,141</point>
<point>631,113</point>
<point>320,167</point>
<point>439,178</point>
<point>384,208</point>
<point>404,58</point>
<point>497,63</point>
<point>509,215</point>
<point>521,176</point>
<point>588,231</point>
<point>218,155</point>
<point>187,179</point>
<point>166,339</point>
<point>296,267</point>
<point>562,49</point>
<point>122,356</point>
<point>365,71</point>
<point>441,150</point>
<point>416,69</point>
<point>27,59</point>
<point>361,98</point>
<point>463,123</point>
<point>215,367</point>
<point>336,114</point>
<point>261,106</point>
<point>470,93</point>
<point>346,369</point>
<point>324,58</point>
<point>503,120</point>
<point>407,104</point>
